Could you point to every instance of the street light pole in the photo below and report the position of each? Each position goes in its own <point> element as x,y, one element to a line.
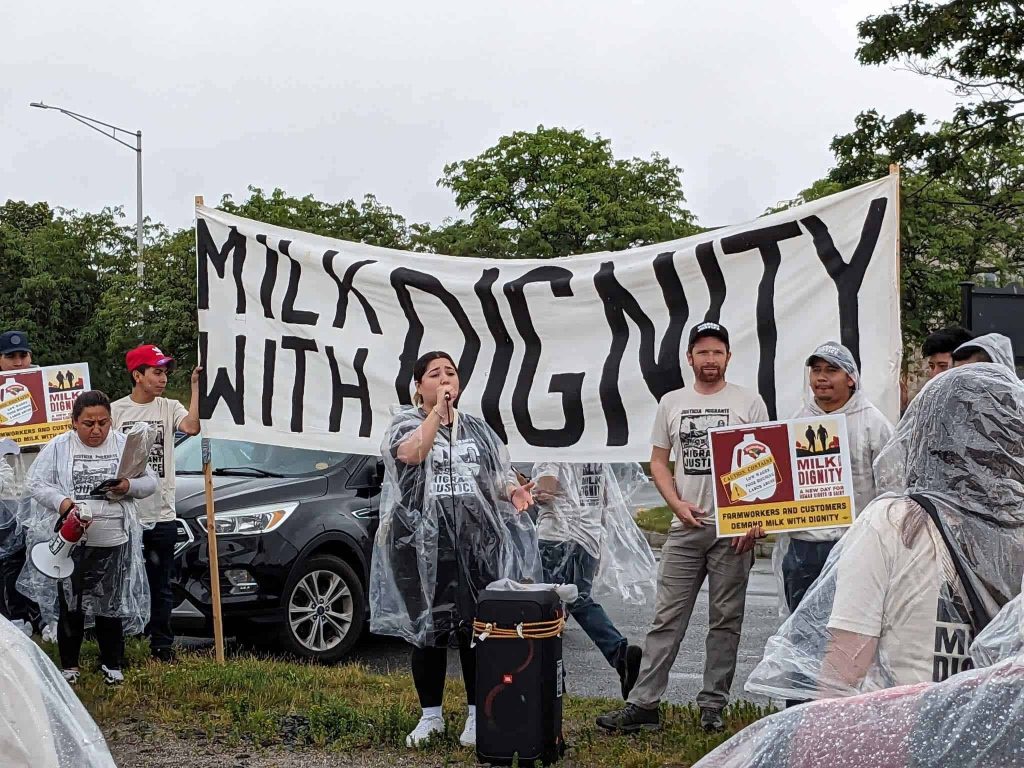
<point>95,124</point>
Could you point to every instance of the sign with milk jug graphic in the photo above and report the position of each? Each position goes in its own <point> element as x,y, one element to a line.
<point>784,475</point>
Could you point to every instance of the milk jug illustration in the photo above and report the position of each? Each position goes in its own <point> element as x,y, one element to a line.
<point>761,482</point>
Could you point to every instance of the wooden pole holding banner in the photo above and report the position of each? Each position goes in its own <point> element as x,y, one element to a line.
<point>211,539</point>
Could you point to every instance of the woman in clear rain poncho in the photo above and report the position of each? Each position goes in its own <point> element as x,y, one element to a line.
<point>42,722</point>
<point>890,607</point>
<point>450,524</point>
<point>588,538</point>
<point>971,720</point>
<point>108,587</point>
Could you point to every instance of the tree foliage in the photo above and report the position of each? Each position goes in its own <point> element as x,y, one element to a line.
<point>977,46</point>
<point>555,192</point>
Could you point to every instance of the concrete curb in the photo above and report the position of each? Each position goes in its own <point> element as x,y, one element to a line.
<point>762,548</point>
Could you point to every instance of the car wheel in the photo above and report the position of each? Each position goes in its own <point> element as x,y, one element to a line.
<point>324,609</point>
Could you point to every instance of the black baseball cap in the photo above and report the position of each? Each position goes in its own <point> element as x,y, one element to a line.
<point>708,328</point>
<point>14,341</point>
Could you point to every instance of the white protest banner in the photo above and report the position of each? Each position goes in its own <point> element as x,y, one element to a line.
<point>308,342</point>
<point>792,475</point>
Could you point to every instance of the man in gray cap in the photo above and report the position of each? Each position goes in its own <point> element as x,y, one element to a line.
<point>833,388</point>
<point>990,348</point>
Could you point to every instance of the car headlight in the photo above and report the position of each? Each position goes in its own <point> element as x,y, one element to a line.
<point>253,520</point>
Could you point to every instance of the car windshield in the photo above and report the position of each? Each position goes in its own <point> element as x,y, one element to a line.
<point>253,458</point>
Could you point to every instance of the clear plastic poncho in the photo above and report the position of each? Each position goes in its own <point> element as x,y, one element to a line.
<point>889,608</point>
<point>107,581</point>
<point>42,722</point>
<point>447,530</point>
<point>12,538</point>
<point>972,720</point>
<point>591,508</point>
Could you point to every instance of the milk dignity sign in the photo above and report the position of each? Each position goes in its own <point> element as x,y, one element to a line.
<point>36,403</point>
<point>309,342</point>
<point>786,475</point>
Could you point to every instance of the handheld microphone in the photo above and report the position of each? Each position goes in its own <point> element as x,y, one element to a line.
<point>447,396</point>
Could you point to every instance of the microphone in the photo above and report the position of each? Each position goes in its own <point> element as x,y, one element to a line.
<point>447,396</point>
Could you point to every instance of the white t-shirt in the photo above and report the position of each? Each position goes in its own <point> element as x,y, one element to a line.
<point>908,597</point>
<point>166,415</point>
<point>682,424</point>
<point>90,467</point>
<point>576,512</point>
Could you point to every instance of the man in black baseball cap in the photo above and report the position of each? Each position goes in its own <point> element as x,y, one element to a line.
<point>708,328</point>
<point>15,352</point>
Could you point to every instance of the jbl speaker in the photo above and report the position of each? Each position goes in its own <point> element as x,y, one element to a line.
<point>519,680</point>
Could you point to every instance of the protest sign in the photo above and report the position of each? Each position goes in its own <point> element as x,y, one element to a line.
<point>309,342</point>
<point>36,403</point>
<point>788,475</point>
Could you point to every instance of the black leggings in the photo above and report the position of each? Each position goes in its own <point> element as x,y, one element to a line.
<point>429,667</point>
<point>71,630</point>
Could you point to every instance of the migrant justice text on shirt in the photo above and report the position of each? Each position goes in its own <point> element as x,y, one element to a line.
<point>681,425</point>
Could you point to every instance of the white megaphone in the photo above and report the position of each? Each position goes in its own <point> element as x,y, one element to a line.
<point>53,558</point>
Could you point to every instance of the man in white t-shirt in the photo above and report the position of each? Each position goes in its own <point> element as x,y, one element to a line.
<point>693,551</point>
<point>149,366</point>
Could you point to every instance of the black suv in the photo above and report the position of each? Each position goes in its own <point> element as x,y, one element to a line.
<point>295,534</point>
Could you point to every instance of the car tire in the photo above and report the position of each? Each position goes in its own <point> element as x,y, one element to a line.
<point>323,610</point>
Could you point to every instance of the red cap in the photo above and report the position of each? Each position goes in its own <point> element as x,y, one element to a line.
<point>148,354</point>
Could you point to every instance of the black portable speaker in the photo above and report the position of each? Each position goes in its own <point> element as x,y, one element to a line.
<point>519,682</point>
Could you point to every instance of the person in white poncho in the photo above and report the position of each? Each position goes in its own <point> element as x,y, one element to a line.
<point>42,722</point>
<point>833,388</point>
<point>990,348</point>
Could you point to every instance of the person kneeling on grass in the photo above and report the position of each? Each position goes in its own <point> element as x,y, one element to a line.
<point>108,585</point>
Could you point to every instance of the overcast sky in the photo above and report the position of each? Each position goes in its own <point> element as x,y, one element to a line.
<point>342,98</point>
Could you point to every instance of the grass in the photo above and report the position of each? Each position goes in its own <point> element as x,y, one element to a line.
<point>267,702</point>
<point>656,519</point>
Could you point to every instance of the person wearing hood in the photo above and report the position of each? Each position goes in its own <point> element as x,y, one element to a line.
<point>990,348</point>
<point>926,565</point>
<point>833,388</point>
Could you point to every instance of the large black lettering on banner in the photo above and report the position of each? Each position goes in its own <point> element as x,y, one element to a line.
<point>569,385</point>
<point>310,342</point>
<point>402,279</point>
<point>207,253</point>
<point>766,241</point>
<point>661,375</point>
<point>848,277</point>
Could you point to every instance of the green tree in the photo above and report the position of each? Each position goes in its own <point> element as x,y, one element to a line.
<point>977,46</point>
<point>163,313</point>
<point>368,221</point>
<point>966,224</point>
<point>555,192</point>
<point>54,269</point>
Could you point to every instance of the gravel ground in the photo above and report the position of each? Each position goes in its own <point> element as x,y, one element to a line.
<point>138,745</point>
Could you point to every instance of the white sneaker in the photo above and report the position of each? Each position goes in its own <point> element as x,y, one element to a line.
<point>70,676</point>
<point>50,633</point>
<point>24,626</point>
<point>468,737</point>
<point>425,728</point>
<point>111,676</point>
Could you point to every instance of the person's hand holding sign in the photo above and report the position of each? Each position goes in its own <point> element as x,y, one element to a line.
<point>745,543</point>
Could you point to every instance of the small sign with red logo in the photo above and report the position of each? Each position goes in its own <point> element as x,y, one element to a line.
<point>36,403</point>
<point>786,475</point>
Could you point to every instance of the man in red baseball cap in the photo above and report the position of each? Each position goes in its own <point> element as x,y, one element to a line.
<point>149,366</point>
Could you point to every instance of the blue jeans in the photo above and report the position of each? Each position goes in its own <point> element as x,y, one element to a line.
<point>158,551</point>
<point>566,562</point>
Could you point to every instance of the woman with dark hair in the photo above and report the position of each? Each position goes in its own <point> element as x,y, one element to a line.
<point>108,585</point>
<point>451,524</point>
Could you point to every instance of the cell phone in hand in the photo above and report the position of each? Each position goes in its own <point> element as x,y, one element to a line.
<point>105,487</point>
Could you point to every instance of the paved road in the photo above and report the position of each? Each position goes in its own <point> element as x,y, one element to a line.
<point>589,674</point>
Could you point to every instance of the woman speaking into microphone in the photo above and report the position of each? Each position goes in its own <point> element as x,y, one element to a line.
<point>451,522</point>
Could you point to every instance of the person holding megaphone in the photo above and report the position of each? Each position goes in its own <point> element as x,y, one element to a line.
<point>83,489</point>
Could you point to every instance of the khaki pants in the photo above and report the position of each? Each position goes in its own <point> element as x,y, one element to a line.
<point>688,557</point>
